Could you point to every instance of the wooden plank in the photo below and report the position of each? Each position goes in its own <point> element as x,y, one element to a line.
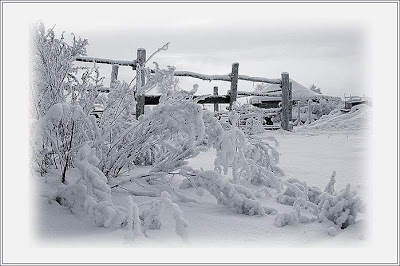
<point>203,99</point>
<point>234,84</point>
<point>202,76</point>
<point>140,81</point>
<point>224,77</point>
<point>285,101</point>
<point>259,79</point>
<point>216,107</point>
<point>247,93</point>
<point>106,61</point>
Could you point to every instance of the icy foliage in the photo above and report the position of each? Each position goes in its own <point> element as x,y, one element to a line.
<point>341,209</point>
<point>330,187</point>
<point>91,194</point>
<point>150,215</point>
<point>235,196</point>
<point>174,134</point>
<point>282,219</point>
<point>92,177</point>
<point>52,68</point>
<point>181,225</point>
<point>133,220</point>
<point>296,189</point>
<point>251,159</point>
<point>57,136</point>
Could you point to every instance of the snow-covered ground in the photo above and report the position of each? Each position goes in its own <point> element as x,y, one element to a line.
<point>309,153</point>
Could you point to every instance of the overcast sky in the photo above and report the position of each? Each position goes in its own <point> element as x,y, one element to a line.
<point>209,38</point>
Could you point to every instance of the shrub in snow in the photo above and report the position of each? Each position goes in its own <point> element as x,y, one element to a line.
<point>58,135</point>
<point>282,219</point>
<point>91,194</point>
<point>181,225</point>
<point>235,196</point>
<point>174,133</point>
<point>330,187</point>
<point>150,215</point>
<point>296,189</point>
<point>60,101</point>
<point>133,220</point>
<point>52,68</point>
<point>250,159</point>
<point>341,209</point>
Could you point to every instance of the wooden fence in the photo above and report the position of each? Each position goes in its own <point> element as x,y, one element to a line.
<point>233,93</point>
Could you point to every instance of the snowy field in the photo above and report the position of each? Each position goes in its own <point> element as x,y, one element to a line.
<point>309,153</point>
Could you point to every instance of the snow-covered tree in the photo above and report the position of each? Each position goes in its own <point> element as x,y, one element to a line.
<point>53,70</point>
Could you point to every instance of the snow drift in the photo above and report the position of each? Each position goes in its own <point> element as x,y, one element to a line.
<point>357,118</point>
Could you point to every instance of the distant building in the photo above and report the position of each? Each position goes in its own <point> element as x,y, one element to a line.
<point>299,93</point>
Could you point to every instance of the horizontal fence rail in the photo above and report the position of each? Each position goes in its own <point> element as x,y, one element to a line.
<point>178,73</point>
<point>106,61</point>
<point>201,99</point>
<point>246,93</point>
<point>284,94</point>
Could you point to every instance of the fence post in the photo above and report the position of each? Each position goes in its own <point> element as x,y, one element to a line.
<point>234,84</point>
<point>285,101</point>
<point>298,114</point>
<point>141,60</point>
<point>114,75</point>
<point>309,110</point>
<point>290,105</point>
<point>216,108</point>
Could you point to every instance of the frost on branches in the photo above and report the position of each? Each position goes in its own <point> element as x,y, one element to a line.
<point>337,209</point>
<point>235,196</point>
<point>53,71</point>
<point>251,159</point>
<point>91,194</point>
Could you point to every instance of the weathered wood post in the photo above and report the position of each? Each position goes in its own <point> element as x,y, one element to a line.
<point>290,105</point>
<point>285,101</point>
<point>309,110</point>
<point>140,81</point>
<point>298,114</point>
<point>114,75</point>
<point>216,108</point>
<point>234,84</point>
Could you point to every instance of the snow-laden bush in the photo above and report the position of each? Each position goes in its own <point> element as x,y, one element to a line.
<point>174,133</point>
<point>91,194</point>
<point>52,68</point>
<point>181,224</point>
<point>235,196</point>
<point>57,136</point>
<point>282,219</point>
<point>296,189</point>
<point>251,159</point>
<point>339,209</point>
<point>133,219</point>
<point>151,214</point>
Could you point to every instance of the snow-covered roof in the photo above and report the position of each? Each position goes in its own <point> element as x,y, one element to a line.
<point>299,92</point>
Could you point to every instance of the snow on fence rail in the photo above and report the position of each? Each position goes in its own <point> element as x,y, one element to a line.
<point>233,78</point>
